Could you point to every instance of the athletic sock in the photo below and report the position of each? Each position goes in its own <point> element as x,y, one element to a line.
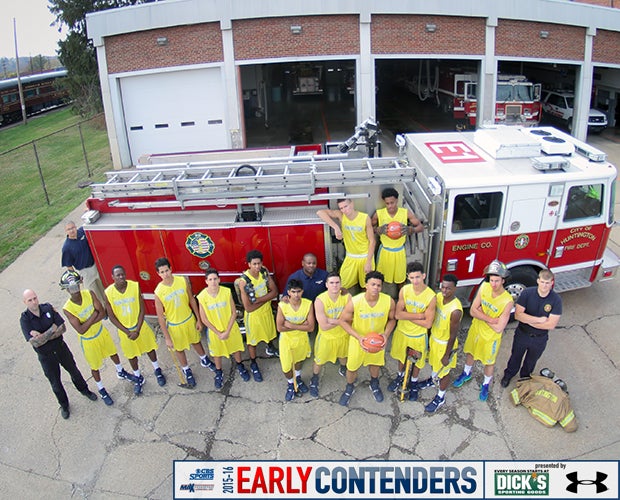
<point>487,380</point>
<point>99,385</point>
<point>441,394</point>
<point>467,369</point>
<point>155,364</point>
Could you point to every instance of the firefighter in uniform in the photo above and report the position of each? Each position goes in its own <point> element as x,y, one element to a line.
<point>546,402</point>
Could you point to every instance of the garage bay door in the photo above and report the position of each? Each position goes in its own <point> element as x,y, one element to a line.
<point>173,112</point>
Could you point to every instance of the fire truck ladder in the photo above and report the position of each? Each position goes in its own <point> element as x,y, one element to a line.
<point>265,180</point>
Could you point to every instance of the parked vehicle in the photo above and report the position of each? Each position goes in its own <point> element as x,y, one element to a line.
<point>559,104</point>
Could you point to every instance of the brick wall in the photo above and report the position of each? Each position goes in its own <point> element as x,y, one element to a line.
<point>406,34</point>
<point>522,39</point>
<point>194,44</point>
<point>606,47</point>
<point>603,3</point>
<point>272,37</point>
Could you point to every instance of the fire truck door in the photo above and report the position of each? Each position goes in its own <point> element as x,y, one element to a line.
<point>531,217</point>
<point>582,229</point>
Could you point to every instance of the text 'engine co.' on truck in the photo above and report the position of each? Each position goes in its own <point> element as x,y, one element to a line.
<point>532,197</point>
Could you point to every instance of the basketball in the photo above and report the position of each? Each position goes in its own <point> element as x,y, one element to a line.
<point>393,230</point>
<point>373,342</point>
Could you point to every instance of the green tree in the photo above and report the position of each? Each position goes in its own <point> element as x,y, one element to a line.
<point>77,53</point>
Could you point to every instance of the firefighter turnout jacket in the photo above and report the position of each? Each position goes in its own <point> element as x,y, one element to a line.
<point>545,401</point>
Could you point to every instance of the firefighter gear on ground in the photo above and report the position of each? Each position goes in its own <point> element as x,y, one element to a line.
<point>545,401</point>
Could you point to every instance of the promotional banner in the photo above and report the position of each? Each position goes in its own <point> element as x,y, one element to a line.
<point>398,479</point>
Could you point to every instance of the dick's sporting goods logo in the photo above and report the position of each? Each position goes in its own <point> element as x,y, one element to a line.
<point>521,483</point>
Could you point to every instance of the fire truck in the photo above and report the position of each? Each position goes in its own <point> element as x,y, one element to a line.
<point>517,100</point>
<point>534,198</point>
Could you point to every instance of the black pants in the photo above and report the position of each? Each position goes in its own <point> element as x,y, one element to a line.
<point>531,347</point>
<point>51,363</point>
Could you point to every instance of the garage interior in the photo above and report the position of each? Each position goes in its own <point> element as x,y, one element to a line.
<point>314,101</point>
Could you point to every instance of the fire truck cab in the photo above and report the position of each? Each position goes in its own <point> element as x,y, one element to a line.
<point>535,198</point>
<point>532,197</point>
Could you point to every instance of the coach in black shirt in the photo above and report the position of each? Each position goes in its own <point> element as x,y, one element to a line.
<point>43,327</point>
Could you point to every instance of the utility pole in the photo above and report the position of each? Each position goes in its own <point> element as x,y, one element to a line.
<point>19,81</point>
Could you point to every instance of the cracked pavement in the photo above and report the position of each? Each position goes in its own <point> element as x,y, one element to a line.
<point>126,451</point>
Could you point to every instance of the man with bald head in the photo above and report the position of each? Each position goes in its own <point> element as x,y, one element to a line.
<point>43,327</point>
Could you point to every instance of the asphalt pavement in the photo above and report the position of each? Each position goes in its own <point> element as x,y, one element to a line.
<point>126,451</point>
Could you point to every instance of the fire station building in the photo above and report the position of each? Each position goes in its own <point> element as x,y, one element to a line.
<point>193,75</point>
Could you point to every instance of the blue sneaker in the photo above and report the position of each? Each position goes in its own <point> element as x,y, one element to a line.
<point>219,379</point>
<point>189,376</point>
<point>255,371</point>
<point>461,379</point>
<point>346,395</point>
<point>342,370</point>
<point>106,397</point>
<point>301,386</point>
<point>413,391</point>
<point>396,383</point>
<point>484,392</point>
<point>290,392</point>
<point>434,405</point>
<point>376,390</point>
<point>245,376</point>
<point>207,363</point>
<point>125,375</point>
<point>161,380</point>
<point>425,384</point>
<point>137,386</point>
<point>314,386</point>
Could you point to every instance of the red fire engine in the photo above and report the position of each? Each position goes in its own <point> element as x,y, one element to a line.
<point>517,100</point>
<point>533,197</point>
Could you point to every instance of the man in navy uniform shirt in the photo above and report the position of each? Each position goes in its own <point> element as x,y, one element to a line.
<point>77,256</point>
<point>538,310</point>
<point>43,327</point>
<point>312,278</point>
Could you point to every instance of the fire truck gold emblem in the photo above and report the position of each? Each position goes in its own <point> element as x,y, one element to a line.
<point>200,245</point>
<point>522,241</point>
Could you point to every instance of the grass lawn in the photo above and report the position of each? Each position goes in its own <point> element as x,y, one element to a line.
<point>26,214</point>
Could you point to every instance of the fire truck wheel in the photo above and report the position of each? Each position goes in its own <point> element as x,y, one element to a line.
<point>520,278</point>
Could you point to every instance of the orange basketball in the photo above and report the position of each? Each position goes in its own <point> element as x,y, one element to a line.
<point>373,342</point>
<point>393,230</point>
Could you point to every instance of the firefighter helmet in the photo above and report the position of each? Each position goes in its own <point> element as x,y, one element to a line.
<point>497,268</point>
<point>70,281</point>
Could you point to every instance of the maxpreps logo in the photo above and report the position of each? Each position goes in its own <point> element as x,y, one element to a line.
<point>521,483</point>
<point>199,475</point>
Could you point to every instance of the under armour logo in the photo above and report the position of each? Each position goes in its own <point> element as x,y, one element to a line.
<point>600,486</point>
